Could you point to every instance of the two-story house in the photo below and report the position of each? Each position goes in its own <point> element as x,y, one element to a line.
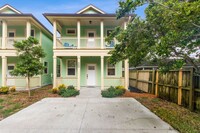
<point>17,26</point>
<point>80,51</point>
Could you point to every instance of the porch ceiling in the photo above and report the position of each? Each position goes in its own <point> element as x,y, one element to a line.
<point>71,19</point>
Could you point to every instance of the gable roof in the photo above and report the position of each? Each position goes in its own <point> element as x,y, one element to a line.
<point>9,8</point>
<point>95,9</point>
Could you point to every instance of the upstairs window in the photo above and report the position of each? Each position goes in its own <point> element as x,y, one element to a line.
<point>45,67</point>
<point>32,32</point>
<point>71,31</point>
<point>109,32</point>
<point>71,67</point>
<point>110,69</point>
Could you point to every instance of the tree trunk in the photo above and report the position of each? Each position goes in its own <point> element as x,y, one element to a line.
<point>28,86</point>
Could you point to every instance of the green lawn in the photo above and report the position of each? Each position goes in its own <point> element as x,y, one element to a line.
<point>177,116</point>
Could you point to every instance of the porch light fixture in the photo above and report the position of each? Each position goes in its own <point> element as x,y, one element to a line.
<point>90,22</point>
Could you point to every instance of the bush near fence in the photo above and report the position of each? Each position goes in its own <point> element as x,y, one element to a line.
<point>180,87</point>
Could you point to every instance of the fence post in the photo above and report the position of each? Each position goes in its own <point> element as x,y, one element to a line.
<point>156,91</point>
<point>137,72</point>
<point>153,81</point>
<point>191,96</point>
<point>180,85</point>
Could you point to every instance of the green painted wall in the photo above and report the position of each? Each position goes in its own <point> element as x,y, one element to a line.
<point>115,80</point>
<point>47,45</point>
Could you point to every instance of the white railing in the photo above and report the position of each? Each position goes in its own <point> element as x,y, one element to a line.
<point>85,43</point>
<point>90,42</point>
<point>67,42</point>
<point>20,82</point>
<point>11,40</point>
<point>111,44</point>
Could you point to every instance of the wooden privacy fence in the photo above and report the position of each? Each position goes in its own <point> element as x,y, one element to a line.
<point>180,87</point>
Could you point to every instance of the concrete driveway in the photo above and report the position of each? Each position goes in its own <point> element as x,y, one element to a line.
<point>85,115</point>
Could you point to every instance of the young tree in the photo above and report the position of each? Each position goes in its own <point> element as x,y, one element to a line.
<point>29,64</point>
<point>169,35</point>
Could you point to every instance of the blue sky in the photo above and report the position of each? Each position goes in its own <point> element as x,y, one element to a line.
<point>38,7</point>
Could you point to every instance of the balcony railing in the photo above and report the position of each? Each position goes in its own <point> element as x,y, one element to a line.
<point>20,82</point>
<point>11,40</point>
<point>85,43</point>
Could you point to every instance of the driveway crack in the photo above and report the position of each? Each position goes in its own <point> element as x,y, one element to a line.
<point>83,116</point>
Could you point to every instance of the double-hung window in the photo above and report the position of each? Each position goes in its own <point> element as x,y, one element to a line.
<point>110,69</point>
<point>45,67</point>
<point>71,67</point>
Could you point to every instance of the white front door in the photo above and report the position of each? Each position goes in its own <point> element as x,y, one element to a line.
<point>91,75</point>
<point>10,81</point>
<point>91,39</point>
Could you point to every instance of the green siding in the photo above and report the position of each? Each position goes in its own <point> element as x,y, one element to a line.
<point>114,81</point>
<point>47,45</point>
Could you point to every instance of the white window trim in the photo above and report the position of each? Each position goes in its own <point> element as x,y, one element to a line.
<point>70,67</point>
<point>107,31</point>
<point>34,32</point>
<point>71,29</point>
<point>107,70</point>
<point>10,64</point>
<point>47,67</point>
<point>12,30</point>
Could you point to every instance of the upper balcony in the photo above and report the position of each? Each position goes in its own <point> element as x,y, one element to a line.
<point>84,32</point>
<point>12,31</point>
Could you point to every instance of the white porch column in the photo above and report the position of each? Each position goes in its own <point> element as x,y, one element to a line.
<point>78,72</point>
<point>4,70</point>
<point>102,72</point>
<point>4,33</point>
<point>54,70</point>
<point>28,29</point>
<point>54,34</point>
<point>102,34</point>
<point>126,66</point>
<point>79,33</point>
<point>126,73</point>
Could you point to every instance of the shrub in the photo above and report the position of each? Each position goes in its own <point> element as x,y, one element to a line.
<point>61,86</point>
<point>4,90</point>
<point>69,93</point>
<point>12,89</point>
<point>112,92</point>
<point>54,90</point>
<point>71,87</point>
<point>121,88</point>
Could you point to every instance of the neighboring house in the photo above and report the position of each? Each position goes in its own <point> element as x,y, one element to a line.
<point>17,26</point>
<point>80,51</point>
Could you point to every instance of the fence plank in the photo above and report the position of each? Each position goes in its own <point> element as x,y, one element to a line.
<point>191,96</point>
<point>156,91</point>
<point>153,81</point>
<point>180,86</point>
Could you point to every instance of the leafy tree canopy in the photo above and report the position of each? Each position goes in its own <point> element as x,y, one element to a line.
<point>29,54</point>
<point>169,35</point>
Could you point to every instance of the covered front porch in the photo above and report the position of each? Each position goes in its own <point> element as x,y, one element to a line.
<point>84,71</point>
<point>7,64</point>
